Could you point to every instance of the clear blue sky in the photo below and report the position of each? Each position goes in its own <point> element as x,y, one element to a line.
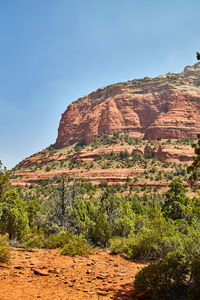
<point>54,51</point>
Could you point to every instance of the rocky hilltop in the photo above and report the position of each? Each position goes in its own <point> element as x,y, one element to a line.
<point>165,107</point>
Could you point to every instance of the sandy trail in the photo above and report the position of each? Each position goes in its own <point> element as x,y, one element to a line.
<point>98,276</point>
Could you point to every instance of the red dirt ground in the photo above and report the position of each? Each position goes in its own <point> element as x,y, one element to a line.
<point>98,276</point>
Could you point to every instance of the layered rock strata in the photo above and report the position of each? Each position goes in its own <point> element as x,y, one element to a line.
<point>165,107</point>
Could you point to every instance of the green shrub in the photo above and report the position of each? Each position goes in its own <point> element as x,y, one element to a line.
<point>35,241</point>
<point>176,200</point>
<point>47,169</point>
<point>167,276</point>
<point>4,250</point>
<point>77,246</point>
<point>191,242</point>
<point>102,231</point>
<point>59,240</point>
<point>118,245</point>
<point>147,246</point>
<point>14,218</point>
<point>194,290</point>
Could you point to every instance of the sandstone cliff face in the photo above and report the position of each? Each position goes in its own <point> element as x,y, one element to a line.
<point>166,107</point>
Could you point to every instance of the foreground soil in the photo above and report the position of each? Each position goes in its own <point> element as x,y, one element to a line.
<point>45,274</point>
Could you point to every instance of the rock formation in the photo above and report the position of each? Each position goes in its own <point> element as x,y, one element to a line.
<point>165,107</point>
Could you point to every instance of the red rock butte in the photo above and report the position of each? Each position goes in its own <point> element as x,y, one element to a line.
<point>165,107</point>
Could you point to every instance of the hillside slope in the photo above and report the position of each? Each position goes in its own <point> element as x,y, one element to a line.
<point>115,159</point>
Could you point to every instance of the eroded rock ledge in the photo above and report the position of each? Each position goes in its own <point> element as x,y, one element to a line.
<point>163,107</point>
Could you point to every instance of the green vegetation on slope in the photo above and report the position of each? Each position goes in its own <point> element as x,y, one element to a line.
<point>120,151</point>
<point>73,215</point>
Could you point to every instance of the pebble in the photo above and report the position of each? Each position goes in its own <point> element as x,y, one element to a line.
<point>40,272</point>
<point>18,267</point>
<point>54,270</point>
<point>115,264</point>
<point>100,276</point>
<point>2,265</point>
